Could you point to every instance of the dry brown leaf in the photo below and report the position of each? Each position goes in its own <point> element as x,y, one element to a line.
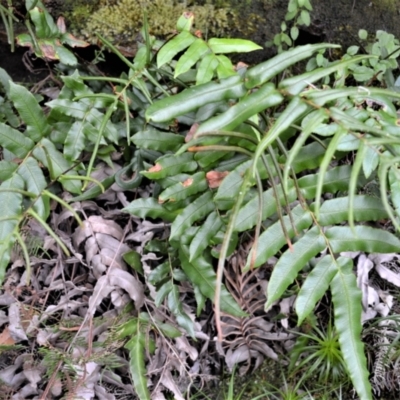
<point>5,338</point>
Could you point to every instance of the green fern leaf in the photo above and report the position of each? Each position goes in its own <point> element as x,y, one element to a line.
<point>195,211</point>
<point>35,183</point>
<point>149,207</point>
<point>201,272</point>
<point>175,305</point>
<point>316,285</point>
<point>366,208</point>
<point>137,348</point>
<point>346,297</point>
<point>15,141</point>
<point>248,214</point>
<point>55,161</point>
<point>182,190</point>
<point>7,168</point>
<point>273,239</point>
<point>30,112</point>
<point>5,255</point>
<point>11,206</point>
<point>362,238</point>
<point>154,139</point>
<point>291,262</point>
<point>171,164</point>
<point>75,141</point>
<point>205,233</point>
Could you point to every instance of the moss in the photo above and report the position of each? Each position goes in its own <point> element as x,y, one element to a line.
<point>121,20</point>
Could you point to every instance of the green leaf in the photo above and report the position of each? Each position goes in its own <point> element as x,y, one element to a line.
<point>182,190</point>
<point>201,272</point>
<point>316,285</point>
<point>366,208</point>
<point>30,112</point>
<point>293,111</point>
<point>153,139</point>
<point>185,21</point>
<point>149,207</point>
<point>11,206</point>
<point>291,262</point>
<point>225,67</point>
<point>190,99</point>
<point>7,168</point>
<point>362,238</point>
<point>335,180</point>
<point>76,109</point>
<point>363,34</point>
<point>248,215</point>
<point>193,54</point>
<point>75,141</point>
<point>370,161</point>
<point>137,349</point>
<point>35,182</point>
<point>5,255</point>
<point>295,84</point>
<point>44,24</point>
<point>15,141</point>
<point>174,46</point>
<point>273,239</point>
<point>170,165</point>
<point>175,305</point>
<point>195,211</point>
<point>265,71</point>
<point>54,160</point>
<point>265,97</point>
<point>346,299</point>
<point>206,69</point>
<point>133,259</point>
<point>223,46</point>
<point>305,16</point>
<point>203,236</point>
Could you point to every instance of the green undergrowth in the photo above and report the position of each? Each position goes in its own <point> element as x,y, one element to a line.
<point>235,155</point>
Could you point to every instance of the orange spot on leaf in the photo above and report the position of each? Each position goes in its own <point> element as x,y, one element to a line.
<point>214,178</point>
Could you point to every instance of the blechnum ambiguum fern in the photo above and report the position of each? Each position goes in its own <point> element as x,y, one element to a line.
<point>258,159</point>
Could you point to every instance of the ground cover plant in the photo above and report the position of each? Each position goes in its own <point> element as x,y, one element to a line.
<point>184,209</point>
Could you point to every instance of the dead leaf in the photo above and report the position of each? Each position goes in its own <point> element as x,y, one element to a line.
<point>5,338</point>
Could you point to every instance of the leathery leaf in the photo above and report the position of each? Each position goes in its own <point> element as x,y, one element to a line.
<point>248,214</point>
<point>137,347</point>
<point>291,262</point>
<point>190,99</point>
<point>201,272</point>
<point>265,97</point>
<point>316,285</point>
<point>11,206</point>
<point>35,183</point>
<point>170,165</point>
<point>15,141</point>
<point>362,238</point>
<point>263,72</point>
<point>149,207</point>
<point>366,208</point>
<point>195,211</point>
<point>273,239</point>
<point>154,139</point>
<point>205,233</point>
<point>30,112</point>
<point>182,190</point>
<point>346,297</point>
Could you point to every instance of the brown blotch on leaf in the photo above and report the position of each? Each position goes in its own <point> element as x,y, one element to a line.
<point>191,132</point>
<point>155,168</point>
<point>188,182</point>
<point>214,178</point>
